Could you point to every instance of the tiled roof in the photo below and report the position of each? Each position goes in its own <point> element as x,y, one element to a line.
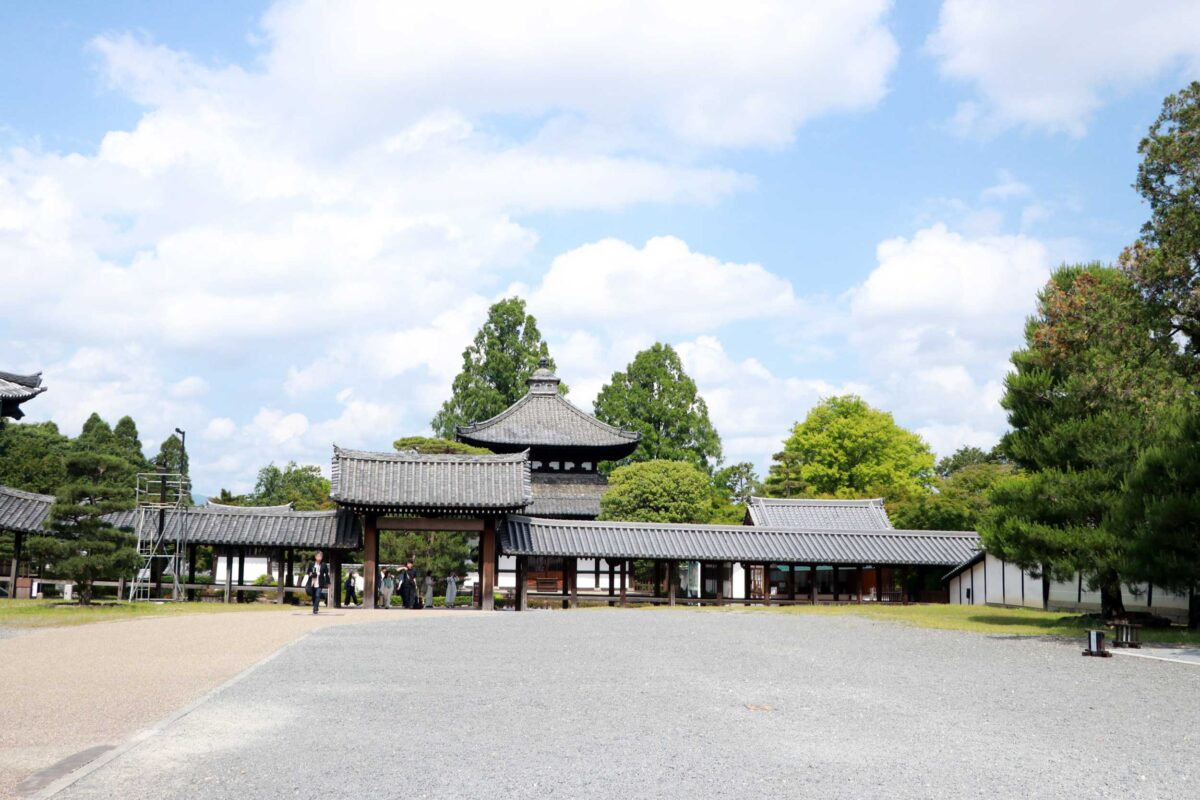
<point>16,389</point>
<point>23,512</point>
<point>523,535</point>
<point>251,526</point>
<point>859,515</point>
<point>543,418</point>
<point>574,495</point>
<point>430,482</point>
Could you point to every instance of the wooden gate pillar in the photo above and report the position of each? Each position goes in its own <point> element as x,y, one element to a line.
<point>812,584</point>
<point>521,593</point>
<point>228,573</point>
<point>573,576</point>
<point>624,572</point>
<point>15,565</point>
<point>859,572</point>
<point>335,580</point>
<point>487,565</point>
<point>370,559</point>
<point>672,573</point>
<point>281,582</point>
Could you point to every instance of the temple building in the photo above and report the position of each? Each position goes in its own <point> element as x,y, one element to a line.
<point>15,390</point>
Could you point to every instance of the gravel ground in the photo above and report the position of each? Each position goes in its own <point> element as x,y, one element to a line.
<point>676,703</point>
<point>64,690</point>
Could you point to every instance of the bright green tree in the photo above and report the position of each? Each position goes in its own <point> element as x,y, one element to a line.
<point>301,485</point>
<point>96,436</point>
<point>1090,387</point>
<point>433,446</point>
<point>1160,513</point>
<point>1165,261</point>
<point>960,500</point>
<point>968,456</point>
<point>658,491</point>
<point>496,365</point>
<point>33,457</point>
<point>656,398</point>
<point>846,448</point>
<point>84,546</point>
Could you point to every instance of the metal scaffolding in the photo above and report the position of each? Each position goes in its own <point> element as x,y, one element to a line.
<point>161,522</point>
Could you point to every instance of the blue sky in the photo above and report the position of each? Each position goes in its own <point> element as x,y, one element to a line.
<point>277,225</point>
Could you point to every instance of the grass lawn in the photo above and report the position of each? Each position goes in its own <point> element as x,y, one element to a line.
<point>51,613</point>
<point>986,619</point>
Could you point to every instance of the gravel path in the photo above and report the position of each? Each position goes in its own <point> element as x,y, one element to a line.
<point>680,704</point>
<point>64,690</point>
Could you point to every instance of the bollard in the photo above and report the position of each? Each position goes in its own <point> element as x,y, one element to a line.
<point>1127,635</point>
<point>1095,645</point>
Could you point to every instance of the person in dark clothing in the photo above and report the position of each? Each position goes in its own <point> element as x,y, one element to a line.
<point>351,593</point>
<point>318,578</point>
<point>408,586</point>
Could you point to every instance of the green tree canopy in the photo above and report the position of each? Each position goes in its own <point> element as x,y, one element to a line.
<point>96,436</point>
<point>127,444</point>
<point>429,445</point>
<point>495,368</point>
<point>171,455</point>
<point>33,457</point>
<point>658,491</point>
<point>967,456</point>
<point>301,485</point>
<point>656,398</point>
<point>1165,261</point>
<point>846,448</point>
<point>1089,388</point>
<point>958,503</point>
<point>1159,512</point>
<point>84,547</point>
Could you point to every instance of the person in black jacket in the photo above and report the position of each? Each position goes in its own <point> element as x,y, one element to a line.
<point>318,578</point>
<point>351,591</point>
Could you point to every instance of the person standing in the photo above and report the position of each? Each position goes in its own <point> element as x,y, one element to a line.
<point>386,587</point>
<point>351,594</point>
<point>428,590</point>
<point>408,586</point>
<point>318,578</point>
<point>451,590</point>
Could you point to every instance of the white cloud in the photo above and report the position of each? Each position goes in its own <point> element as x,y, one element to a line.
<point>1051,66</point>
<point>663,286</point>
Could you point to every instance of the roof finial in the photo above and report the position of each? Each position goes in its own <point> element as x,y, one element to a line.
<point>543,363</point>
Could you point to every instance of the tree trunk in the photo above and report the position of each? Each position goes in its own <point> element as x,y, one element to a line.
<point>1111,605</point>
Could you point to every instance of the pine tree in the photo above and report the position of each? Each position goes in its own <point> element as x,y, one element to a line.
<point>126,443</point>
<point>656,398</point>
<point>1089,388</point>
<point>496,365</point>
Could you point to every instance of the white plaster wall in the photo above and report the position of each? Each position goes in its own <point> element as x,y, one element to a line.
<point>1012,584</point>
<point>256,567</point>
<point>995,579</point>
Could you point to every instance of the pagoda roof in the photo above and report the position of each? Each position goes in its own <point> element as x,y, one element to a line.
<point>810,514</point>
<point>544,419</point>
<point>431,483</point>
<point>16,389</point>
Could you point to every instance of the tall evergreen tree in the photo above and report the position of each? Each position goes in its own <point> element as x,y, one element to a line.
<point>1091,385</point>
<point>171,456</point>
<point>126,442</point>
<point>846,448</point>
<point>33,457</point>
<point>1160,513</point>
<point>496,365</point>
<point>85,547</point>
<point>96,436</point>
<point>1165,261</point>
<point>656,398</point>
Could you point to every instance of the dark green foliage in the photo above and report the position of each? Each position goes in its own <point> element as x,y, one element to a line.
<point>437,553</point>
<point>84,547</point>
<point>1089,388</point>
<point>1165,261</point>
<point>171,456</point>
<point>738,482</point>
<point>428,445</point>
<point>127,444</point>
<point>302,486</point>
<point>656,398</point>
<point>1160,512</point>
<point>495,368</point>
<point>968,456</point>
<point>96,437</point>
<point>658,491</point>
<point>33,457</point>
<point>958,502</point>
<point>846,448</point>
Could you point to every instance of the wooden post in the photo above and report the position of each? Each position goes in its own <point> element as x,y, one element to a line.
<point>836,592</point>
<point>521,591</point>
<point>879,585</point>
<point>487,565</point>
<point>792,582</point>
<point>766,584</point>
<point>658,578</point>
<point>720,583</point>
<point>859,571</point>
<point>672,571</point>
<point>612,580</point>
<point>747,582</point>
<point>120,587</point>
<point>14,566</point>
<point>335,579</point>
<point>812,584</point>
<point>573,575</point>
<point>370,559</point>
<point>228,573</point>
<point>241,571</point>
<point>191,578</point>
<point>281,582</point>
<point>624,570</point>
